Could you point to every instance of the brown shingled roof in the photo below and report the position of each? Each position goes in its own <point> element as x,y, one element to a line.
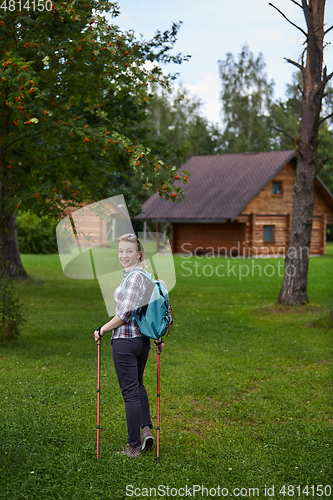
<point>219,187</point>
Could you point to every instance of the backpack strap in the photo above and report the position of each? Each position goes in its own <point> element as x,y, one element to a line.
<point>147,275</point>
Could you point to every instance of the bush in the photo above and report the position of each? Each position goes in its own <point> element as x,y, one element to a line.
<point>36,234</point>
<point>11,314</point>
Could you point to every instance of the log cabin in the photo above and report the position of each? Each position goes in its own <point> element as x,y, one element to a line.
<point>97,227</point>
<point>238,204</point>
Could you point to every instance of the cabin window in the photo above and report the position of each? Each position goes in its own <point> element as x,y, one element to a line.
<point>268,234</point>
<point>277,187</point>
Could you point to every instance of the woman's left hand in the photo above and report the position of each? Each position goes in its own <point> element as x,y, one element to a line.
<point>159,347</point>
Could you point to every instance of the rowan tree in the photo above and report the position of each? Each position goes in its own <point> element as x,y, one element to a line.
<point>64,71</point>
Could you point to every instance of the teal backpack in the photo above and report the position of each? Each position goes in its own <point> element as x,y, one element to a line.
<point>155,318</point>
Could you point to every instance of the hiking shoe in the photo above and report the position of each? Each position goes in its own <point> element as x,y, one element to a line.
<point>147,438</point>
<point>129,451</point>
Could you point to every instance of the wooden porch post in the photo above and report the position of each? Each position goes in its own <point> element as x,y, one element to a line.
<point>172,238</point>
<point>157,237</point>
<point>323,234</point>
<point>252,219</point>
<point>287,232</point>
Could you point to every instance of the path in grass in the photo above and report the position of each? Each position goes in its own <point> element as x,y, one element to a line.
<point>246,396</point>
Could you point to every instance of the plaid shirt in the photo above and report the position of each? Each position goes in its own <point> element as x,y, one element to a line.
<point>125,304</point>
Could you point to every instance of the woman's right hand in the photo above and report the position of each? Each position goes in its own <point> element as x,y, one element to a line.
<point>98,335</point>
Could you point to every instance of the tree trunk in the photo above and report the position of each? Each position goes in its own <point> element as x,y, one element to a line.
<point>294,288</point>
<point>10,260</point>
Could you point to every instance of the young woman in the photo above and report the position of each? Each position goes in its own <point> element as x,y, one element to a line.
<point>130,348</point>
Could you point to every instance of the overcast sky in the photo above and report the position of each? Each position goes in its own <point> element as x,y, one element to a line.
<point>211,28</point>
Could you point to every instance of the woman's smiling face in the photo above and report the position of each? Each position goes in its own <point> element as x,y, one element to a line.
<point>128,254</point>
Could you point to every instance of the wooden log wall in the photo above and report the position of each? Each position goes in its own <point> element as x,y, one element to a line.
<point>276,210</point>
<point>203,237</point>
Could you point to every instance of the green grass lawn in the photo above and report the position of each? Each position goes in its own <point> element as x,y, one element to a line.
<point>246,388</point>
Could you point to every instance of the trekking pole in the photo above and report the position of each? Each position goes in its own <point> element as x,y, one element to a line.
<point>158,408</point>
<point>98,388</point>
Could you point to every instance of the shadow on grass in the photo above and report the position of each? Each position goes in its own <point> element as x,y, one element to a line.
<point>325,319</point>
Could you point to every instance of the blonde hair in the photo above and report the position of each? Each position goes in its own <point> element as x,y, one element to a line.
<point>132,238</point>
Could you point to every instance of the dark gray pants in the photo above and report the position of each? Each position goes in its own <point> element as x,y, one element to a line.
<point>129,358</point>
